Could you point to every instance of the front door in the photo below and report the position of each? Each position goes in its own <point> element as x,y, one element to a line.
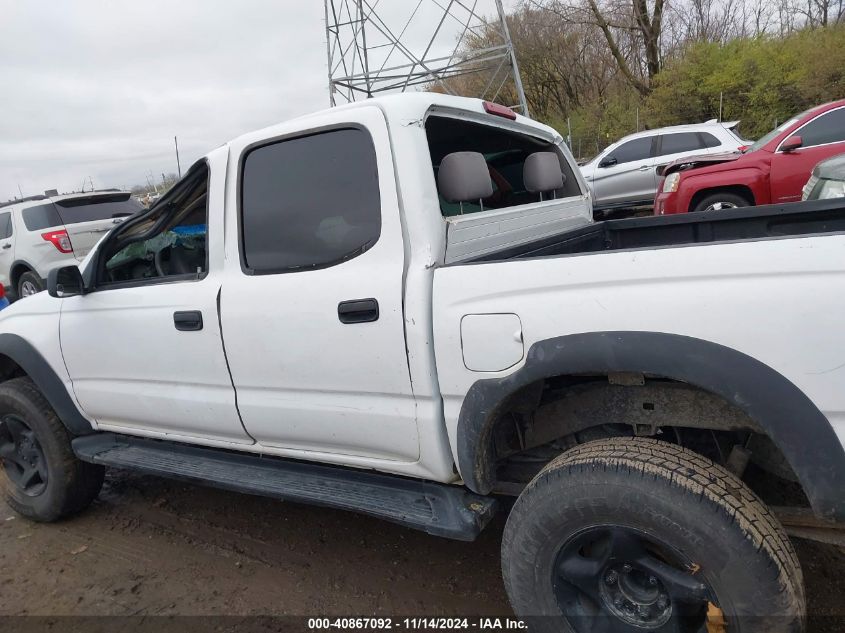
<point>822,138</point>
<point>626,174</point>
<point>313,318</point>
<point>144,349</point>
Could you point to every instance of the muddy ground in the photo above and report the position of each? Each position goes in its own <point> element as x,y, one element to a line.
<point>151,546</point>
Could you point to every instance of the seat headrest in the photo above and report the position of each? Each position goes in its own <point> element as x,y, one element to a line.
<point>541,172</point>
<point>464,177</point>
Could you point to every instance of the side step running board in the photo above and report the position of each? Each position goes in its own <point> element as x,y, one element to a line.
<point>438,509</point>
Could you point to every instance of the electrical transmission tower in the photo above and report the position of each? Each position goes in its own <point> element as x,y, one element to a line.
<point>376,47</point>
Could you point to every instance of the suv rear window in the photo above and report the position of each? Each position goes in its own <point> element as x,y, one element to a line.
<point>77,210</point>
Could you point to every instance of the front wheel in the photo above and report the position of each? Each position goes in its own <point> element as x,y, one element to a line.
<point>634,534</point>
<point>40,476</point>
<point>721,200</point>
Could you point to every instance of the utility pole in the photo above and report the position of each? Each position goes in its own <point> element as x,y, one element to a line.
<point>721,95</point>
<point>517,79</point>
<point>178,164</point>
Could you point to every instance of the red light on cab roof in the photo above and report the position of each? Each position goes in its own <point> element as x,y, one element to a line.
<point>497,109</point>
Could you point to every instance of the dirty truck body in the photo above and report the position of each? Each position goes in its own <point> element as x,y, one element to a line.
<point>403,308</point>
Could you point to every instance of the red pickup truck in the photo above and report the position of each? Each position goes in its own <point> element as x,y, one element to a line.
<point>772,170</point>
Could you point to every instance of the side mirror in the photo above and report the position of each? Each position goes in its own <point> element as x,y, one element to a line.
<point>608,161</point>
<point>65,282</point>
<point>791,144</point>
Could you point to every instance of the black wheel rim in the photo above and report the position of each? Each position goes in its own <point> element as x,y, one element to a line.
<point>618,579</point>
<point>22,456</point>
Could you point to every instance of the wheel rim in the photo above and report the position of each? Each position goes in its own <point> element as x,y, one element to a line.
<point>28,288</point>
<point>22,456</point>
<point>610,578</point>
<point>718,206</point>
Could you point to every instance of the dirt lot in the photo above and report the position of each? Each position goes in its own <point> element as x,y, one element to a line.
<point>155,547</point>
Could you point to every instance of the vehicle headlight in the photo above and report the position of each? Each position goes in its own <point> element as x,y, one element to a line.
<point>830,189</point>
<point>670,183</point>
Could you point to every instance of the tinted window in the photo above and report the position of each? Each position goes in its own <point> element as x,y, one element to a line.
<point>828,128</point>
<point>310,202</point>
<point>681,142</point>
<point>709,139</point>
<point>44,216</point>
<point>638,149</point>
<point>76,210</point>
<point>5,225</point>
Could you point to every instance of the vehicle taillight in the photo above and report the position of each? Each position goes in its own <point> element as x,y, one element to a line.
<point>742,148</point>
<point>60,240</point>
<point>2,291</point>
<point>499,110</point>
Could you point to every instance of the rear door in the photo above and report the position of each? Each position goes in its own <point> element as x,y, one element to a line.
<point>312,317</point>
<point>823,137</point>
<point>626,174</point>
<point>677,145</point>
<point>87,219</point>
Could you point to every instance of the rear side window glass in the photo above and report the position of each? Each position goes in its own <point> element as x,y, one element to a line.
<point>43,216</point>
<point>638,149</point>
<point>5,225</point>
<point>709,140</point>
<point>309,202</point>
<point>828,128</point>
<point>78,210</point>
<point>681,142</point>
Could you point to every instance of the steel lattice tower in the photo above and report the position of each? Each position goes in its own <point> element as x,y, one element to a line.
<point>371,50</point>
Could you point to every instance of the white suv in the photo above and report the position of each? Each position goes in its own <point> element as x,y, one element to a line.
<point>40,233</point>
<point>625,174</point>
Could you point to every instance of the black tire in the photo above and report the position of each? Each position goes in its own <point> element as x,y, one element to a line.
<point>29,279</point>
<point>681,503</point>
<point>727,200</point>
<point>71,485</point>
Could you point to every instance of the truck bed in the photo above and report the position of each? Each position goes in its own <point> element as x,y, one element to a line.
<point>751,223</point>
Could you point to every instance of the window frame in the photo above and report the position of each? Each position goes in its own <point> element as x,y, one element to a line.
<point>796,131</point>
<point>97,265</point>
<point>300,134</point>
<point>652,151</point>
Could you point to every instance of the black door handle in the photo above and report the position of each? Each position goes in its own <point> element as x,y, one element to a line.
<point>7,246</point>
<point>188,321</point>
<point>358,311</point>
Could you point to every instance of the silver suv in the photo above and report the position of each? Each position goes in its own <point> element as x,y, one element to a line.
<point>40,233</point>
<point>625,174</point>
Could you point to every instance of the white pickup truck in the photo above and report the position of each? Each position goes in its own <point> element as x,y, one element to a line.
<point>403,308</point>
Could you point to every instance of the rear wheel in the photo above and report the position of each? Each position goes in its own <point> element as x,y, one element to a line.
<point>721,200</point>
<point>29,284</point>
<point>634,534</point>
<point>39,474</point>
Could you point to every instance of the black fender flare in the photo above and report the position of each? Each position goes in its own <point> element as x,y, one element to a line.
<point>49,384</point>
<point>791,420</point>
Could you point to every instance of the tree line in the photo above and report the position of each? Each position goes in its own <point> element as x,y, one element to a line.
<point>606,68</point>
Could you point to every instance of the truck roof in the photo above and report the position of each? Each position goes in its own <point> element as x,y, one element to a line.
<point>412,106</point>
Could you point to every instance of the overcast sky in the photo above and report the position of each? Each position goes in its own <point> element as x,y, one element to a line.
<point>99,87</point>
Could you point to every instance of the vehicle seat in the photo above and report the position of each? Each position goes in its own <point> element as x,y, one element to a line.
<point>542,174</point>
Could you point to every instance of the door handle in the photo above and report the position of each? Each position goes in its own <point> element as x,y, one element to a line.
<point>358,311</point>
<point>645,168</point>
<point>7,246</point>
<point>188,320</point>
